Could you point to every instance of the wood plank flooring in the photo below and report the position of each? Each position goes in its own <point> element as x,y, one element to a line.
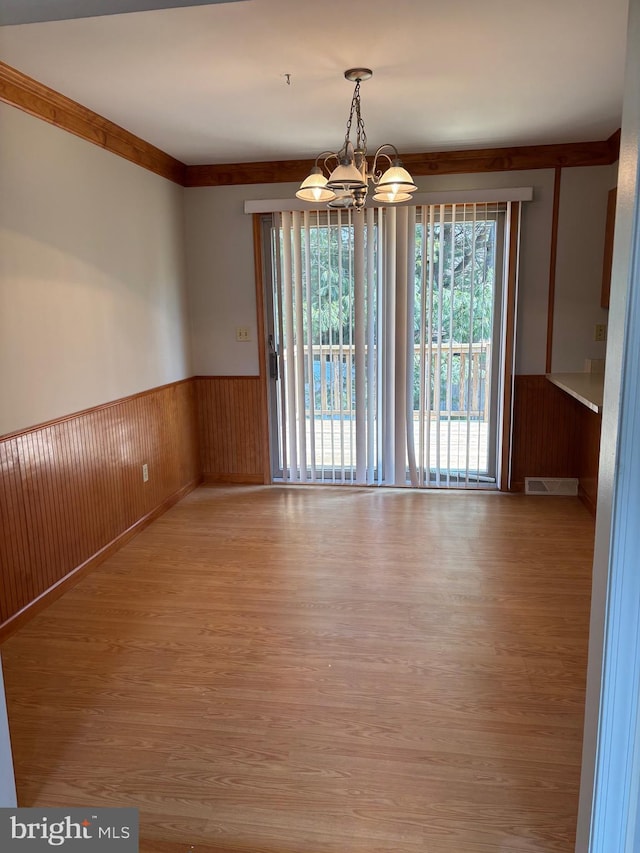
<point>320,670</point>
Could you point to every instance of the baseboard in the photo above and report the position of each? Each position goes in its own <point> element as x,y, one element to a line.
<point>239,479</point>
<point>71,579</point>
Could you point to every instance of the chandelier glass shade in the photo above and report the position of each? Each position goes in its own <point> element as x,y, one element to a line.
<point>314,188</point>
<point>347,180</point>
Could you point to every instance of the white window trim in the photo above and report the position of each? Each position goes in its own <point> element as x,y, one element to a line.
<point>277,205</point>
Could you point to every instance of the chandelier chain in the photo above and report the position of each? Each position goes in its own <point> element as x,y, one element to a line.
<point>361,136</point>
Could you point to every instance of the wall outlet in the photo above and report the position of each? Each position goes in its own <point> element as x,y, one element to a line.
<point>600,332</point>
<point>145,473</point>
<point>242,333</point>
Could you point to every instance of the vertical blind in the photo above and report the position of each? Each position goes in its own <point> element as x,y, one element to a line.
<point>386,323</point>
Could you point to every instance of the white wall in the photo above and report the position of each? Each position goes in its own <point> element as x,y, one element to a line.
<point>581,224</point>
<point>220,267</point>
<point>609,809</point>
<point>7,782</point>
<point>92,281</point>
<point>221,277</point>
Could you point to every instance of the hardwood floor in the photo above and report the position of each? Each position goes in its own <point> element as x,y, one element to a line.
<point>320,670</point>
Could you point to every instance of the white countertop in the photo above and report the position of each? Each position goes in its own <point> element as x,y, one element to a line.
<point>587,388</point>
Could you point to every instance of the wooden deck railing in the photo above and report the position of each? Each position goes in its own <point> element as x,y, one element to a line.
<point>463,390</point>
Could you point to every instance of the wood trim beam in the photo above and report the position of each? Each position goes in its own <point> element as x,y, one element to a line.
<point>552,268</point>
<point>40,101</point>
<point>614,145</point>
<point>434,163</point>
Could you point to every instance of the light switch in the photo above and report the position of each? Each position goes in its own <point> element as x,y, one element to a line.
<point>242,333</point>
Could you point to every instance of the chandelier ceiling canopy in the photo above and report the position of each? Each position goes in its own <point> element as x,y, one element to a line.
<point>349,175</point>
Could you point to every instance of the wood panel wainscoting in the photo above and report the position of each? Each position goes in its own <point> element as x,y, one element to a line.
<point>231,429</point>
<point>553,436</point>
<point>72,491</point>
<point>588,453</point>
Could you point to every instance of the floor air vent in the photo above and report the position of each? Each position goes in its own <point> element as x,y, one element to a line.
<point>550,486</point>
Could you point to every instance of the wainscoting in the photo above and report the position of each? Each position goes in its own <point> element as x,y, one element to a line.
<point>231,429</point>
<point>554,436</point>
<point>588,454</point>
<point>71,491</point>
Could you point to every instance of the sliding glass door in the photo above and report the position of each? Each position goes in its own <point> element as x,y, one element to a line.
<point>385,333</point>
<point>457,312</point>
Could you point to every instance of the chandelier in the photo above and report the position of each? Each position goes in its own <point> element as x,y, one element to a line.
<point>347,184</point>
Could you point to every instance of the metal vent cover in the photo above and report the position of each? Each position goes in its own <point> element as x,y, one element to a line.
<point>551,486</point>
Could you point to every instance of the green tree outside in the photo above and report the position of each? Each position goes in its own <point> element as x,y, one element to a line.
<point>458,261</point>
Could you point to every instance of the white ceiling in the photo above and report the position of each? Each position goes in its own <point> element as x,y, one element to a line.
<point>206,84</point>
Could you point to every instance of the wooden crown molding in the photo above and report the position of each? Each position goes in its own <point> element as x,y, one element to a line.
<point>433,163</point>
<point>39,100</point>
<point>614,145</point>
